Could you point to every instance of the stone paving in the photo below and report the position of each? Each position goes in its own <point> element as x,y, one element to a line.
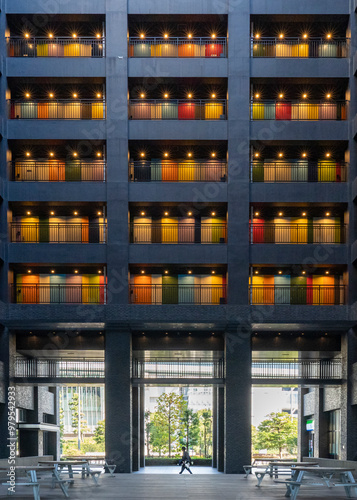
<point>172,486</point>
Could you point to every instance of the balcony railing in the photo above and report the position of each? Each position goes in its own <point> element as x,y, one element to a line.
<point>178,47</point>
<point>326,369</point>
<point>177,294</point>
<point>55,47</point>
<point>177,109</point>
<point>42,109</point>
<point>298,171</point>
<point>58,233</point>
<point>316,295</point>
<point>298,233</point>
<point>57,368</point>
<point>177,171</point>
<point>58,294</point>
<point>57,171</point>
<point>299,111</point>
<point>299,47</point>
<point>178,233</point>
<point>178,368</point>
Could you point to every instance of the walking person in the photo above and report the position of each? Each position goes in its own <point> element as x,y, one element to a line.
<point>185,461</point>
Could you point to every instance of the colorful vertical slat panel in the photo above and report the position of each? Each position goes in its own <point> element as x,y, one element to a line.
<point>142,50</point>
<point>186,111</point>
<point>58,290</point>
<point>44,289</point>
<point>169,111</point>
<point>258,111</point>
<point>156,288</point>
<point>156,170</point>
<point>282,230</point>
<point>283,111</point>
<point>213,110</point>
<point>142,230</point>
<point>44,230</point>
<point>214,50</point>
<point>186,230</point>
<point>186,291</point>
<point>282,289</point>
<point>169,171</point>
<point>298,290</point>
<point>169,230</point>
<point>142,292</point>
<point>169,289</point>
<point>327,171</point>
<point>186,172</point>
<point>73,289</point>
<point>258,171</point>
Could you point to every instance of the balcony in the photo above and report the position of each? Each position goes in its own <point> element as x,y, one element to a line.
<point>178,233</point>
<point>58,233</point>
<point>57,294</point>
<point>178,171</point>
<point>41,109</point>
<point>314,295</point>
<point>329,234</point>
<point>298,369</point>
<point>177,294</point>
<point>57,171</point>
<point>55,47</point>
<point>59,368</point>
<point>298,171</point>
<point>299,111</point>
<point>163,368</point>
<point>177,109</point>
<point>183,47</point>
<point>300,48</point>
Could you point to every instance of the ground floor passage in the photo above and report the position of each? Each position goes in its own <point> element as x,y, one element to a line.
<point>167,486</point>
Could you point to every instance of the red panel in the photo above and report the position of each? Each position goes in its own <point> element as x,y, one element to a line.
<point>186,111</point>
<point>309,290</point>
<point>258,231</point>
<point>338,172</point>
<point>213,50</point>
<point>283,111</point>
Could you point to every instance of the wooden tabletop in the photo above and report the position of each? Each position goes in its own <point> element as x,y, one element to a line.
<point>62,462</point>
<point>324,469</point>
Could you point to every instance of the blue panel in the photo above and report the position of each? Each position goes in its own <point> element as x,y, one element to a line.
<point>282,289</point>
<point>186,292</point>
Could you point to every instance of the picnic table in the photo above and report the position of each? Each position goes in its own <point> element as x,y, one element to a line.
<point>327,479</point>
<point>97,459</point>
<point>69,464</point>
<point>31,472</point>
<point>280,467</point>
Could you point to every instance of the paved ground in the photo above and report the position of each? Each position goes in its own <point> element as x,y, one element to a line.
<point>175,487</point>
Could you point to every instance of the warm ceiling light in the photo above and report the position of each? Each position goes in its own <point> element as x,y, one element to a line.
<point>213,272</point>
<point>166,155</point>
<point>327,214</point>
<point>142,155</point>
<point>256,272</point>
<point>189,35</point>
<point>328,35</point>
<point>327,272</point>
<point>328,96</point>
<point>166,213</point>
<point>189,155</point>
<point>166,272</point>
<point>74,35</point>
<point>280,213</point>
<point>257,35</point>
<point>328,155</point>
<point>189,96</point>
<point>142,271</point>
<point>305,35</point>
<point>99,154</point>
<point>213,214</point>
<point>76,271</point>
<point>75,213</point>
<point>281,155</point>
<point>27,95</point>
<point>99,213</point>
<point>304,214</point>
<point>256,214</point>
<point>75,154</point>
<point>27,35</point>
<point>28,212</point>
<point>29,271</point>
<point>213,155</point>
<point>166,96</point>
<point>189,272</point>
<point>52,271</point>
<point>98,35</point>
<point>213,96</point>
<point>52,154</point>
<point>280,272</point>
<point>142,213</point>
<point>304,272</point>
<point>99,271</point>
<point>51,95</point>
<point>281,35</point>
<point>304,96</point>
<point>213,35</point>
<point>281,96</point>
<point>256,155</point>
<point>142,95</point>
<point>166,35</point>
<point>52,213</point>
<point>28,153</point>
<point>142,35</point>
<point>50,35</point>
<point>189,213</point>
<point>75,96</point>
<point>257,96</point>
<point>304,155</point>
<point>99,95</point>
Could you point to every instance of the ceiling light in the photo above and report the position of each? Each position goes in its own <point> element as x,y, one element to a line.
<point>166,213</point>
<point>166,96</point>
<point>52,154</point>
<point>213,214</point>
<point>29,271</point>
<point>328,35</point>
<point>257,35</point>
<point>189,213</point>
<point>327,214</point>
<point>51,95</point>
<point>75,213</point>
<point>304,96</point>
<point>328,155</point>
<point>189,96</point>
<point>281,155</point>
<point>189,155</point>
<point>166,155</point>
<point>304,155</point>
<point>142,95</point>
<point>166,35</point>
<point>304,272</point>
<point>99,213</point>
<point>257,96</point>
<point>280,213</point>
<point>99,154</point>
<point>213,272</point>
<point>27,35</point>
<point>74,35</point>
<point>52,271</point>
<point>142,35</point>
<point>327,272</point>
<point>75,154</point>
<point>28,153</point>
<point>166,272</point>
<point>256,214</point>
<point>213,35</point>
<point>99,271</point>
<point>76,271</point>
<point>27,95</point>
<point>256,272</point>
<point>213,96</point>
<point>75,96</point>
<point>256,155</point>
<point>281,96</point>
<point>305,35</point>
<point>189,272</point>
<point>304,214</point>
<point>328,96</point>
<point>280,272</point>
<point>99,95</point>
<point>142,213</point>
<point>281,35</point>
<point>142,271</point>
<point>189,35</point>
<point>52,213</point>
<point>28,212</point>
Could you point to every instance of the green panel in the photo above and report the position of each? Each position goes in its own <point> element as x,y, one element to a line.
<point>258,171</point>
<point>310,231</point>
<point>298,290</point>
<point>169,289</point>
<point>44,230</point>
<point>73,171</point>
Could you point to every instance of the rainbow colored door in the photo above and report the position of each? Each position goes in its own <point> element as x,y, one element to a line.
<point>169,289</point>
<point>213,110</point>
<point>142,50</point>
<point>298,290</point>
<point>169,230</point>
<point>186,290</point>
<point>58,288</point>
<point>27,290</point>
<point>186,111</point>
<point>186,230</point>
<point>142,290</point>
<point>283,111</point>
<point>282,289</point>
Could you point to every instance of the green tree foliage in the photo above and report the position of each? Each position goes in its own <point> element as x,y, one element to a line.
<point>99,432</point>
<point>168,416</point>
<point>205,428</point>
<point>148,428</point>
<point>159,436</point>
<point>76,418</point>
<point>190,428</point>
<point>277,432</point>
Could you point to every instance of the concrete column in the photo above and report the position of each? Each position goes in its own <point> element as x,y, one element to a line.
<point>118,399</point>
<point>220,429</point>
<point>349,395</point>
<point>142,426</point>
<point>303,438</point>
<point>214,426</point>
<point>237,400</point>
<point>321,422</point>
<point>4,384</point>
<point>136,428</point>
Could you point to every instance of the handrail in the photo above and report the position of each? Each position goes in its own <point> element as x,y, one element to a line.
<point>60,46</point>
<point>297,295</point>
<point>58,170</point>
<point>293,109</point>
<point>297,47</point>
<point>178,368</point>
<point>177,294</point>
<point>178,171</point>
<point>277,368</point>
<point>302,170</point>
<point>57,109</point>
<point>279,233</point>
<point>178,47</point>
<point>59,367</point>
<point>59,232</point>
<point>180,233</point>
<point>57,294</point>
<point>177,109</point>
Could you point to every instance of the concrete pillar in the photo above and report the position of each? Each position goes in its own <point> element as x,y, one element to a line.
<point>136,428</point>
<point>142,426</point>
<point>220,429</point>
<point>4,369</point>
<point>214,426</point>
<point>118,404</point>
<point>321,422</point>
<point>303,438</point>
<point>349,395</point>
<point>237,400</point>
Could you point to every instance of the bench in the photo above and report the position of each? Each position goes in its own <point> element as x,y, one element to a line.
<point>260,474</point>
<point>247,470</point>
<point>111,468</point>
<point>35,486</point>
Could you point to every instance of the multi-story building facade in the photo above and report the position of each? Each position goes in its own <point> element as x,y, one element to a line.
<point>178,181</point>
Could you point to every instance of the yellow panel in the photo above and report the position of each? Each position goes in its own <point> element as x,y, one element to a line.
<point>213,110</point>
<point>300,50</point>
<point>186,171</point>
<point>283,50</point>
<point>258,111</point>
<point>97,111</point>
<point>169,234</point>
<point>77,50</point>
<point>282,232</point>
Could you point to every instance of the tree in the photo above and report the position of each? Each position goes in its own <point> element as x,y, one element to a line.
<point>159,436</point>
<point>277,432</point>
<point>99,432</point>
<point>79,425</point>
<point>190,428</point>
<point>61,421</point>
<point>148,430</point>
<point>205,417</point>
<point>169,408</point>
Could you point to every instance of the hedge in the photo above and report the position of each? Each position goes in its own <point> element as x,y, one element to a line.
<point>207,462</point>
